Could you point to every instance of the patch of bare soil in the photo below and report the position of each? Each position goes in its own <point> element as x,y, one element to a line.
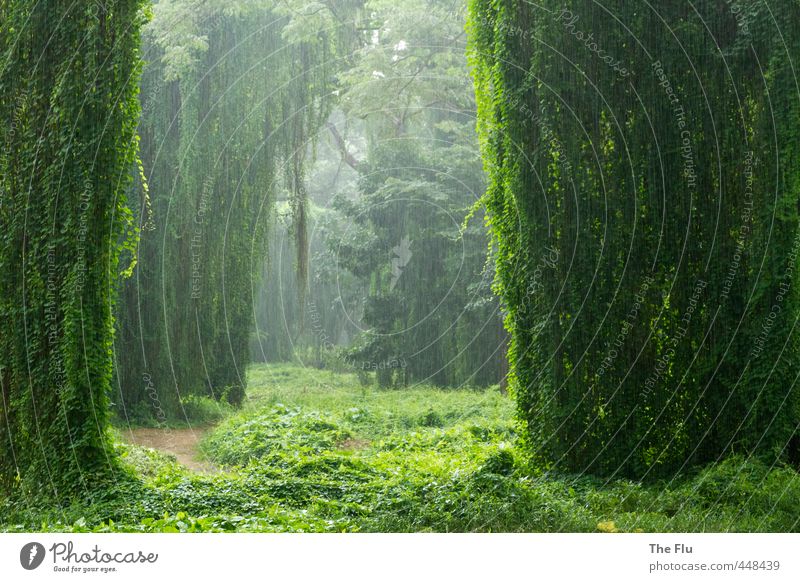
<point>354,444</point>
<point>180,442</point>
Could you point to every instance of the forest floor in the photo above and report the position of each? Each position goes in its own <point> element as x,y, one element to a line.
<point>315,451</point>
<point>182,443</point>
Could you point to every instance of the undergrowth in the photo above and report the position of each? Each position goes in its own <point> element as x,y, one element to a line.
<point>316,452</point>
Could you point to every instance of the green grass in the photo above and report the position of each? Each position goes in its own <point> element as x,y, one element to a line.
<point>315,451</point>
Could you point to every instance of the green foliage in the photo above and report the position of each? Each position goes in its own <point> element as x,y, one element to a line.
<point>316,332</point>
<point>645,217</point>
<point>370,463</point>
<point>232,96</point>
<point>239,440</point>
<point>198,410</point>
<point>68,79</point>
<point>428,317</point>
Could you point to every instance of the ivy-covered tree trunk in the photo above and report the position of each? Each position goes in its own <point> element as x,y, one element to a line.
<point>231,102</point>
<point>644,200</point>
<point>69,79</point>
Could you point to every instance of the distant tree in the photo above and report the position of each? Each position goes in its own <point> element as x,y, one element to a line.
<point>427,317</point>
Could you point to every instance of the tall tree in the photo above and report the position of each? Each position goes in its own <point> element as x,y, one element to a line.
<point>644,201</point>
<point>233,96</point>
<point>427,315</point>
<point>69,80</point>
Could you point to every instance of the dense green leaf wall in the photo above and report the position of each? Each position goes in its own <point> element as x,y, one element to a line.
<point>68,80</point>
<point>644,200</point>
<point>232,96</point>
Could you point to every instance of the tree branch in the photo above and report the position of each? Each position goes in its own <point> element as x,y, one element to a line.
<point>342,146</point>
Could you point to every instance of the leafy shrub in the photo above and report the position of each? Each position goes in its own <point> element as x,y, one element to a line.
<point>431,418</point>
<point>204,410</point>
<point>246,437</point>
<point>499,463</point>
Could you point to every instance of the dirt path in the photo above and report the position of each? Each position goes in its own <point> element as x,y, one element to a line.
<point>181,442</point>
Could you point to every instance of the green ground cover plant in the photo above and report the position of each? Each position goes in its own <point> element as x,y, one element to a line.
<point>315,451</point>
